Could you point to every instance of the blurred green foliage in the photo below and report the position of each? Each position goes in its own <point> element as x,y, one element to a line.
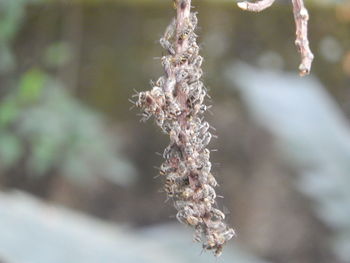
<point>11,14</point>
<point>43,126</point>
<point>58,54</point>
<point>41,119</point>
<point>31,86</point>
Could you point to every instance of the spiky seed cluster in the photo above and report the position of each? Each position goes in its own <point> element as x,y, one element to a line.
<point>176,101</point>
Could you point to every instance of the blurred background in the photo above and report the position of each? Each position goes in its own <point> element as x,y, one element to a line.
<point>77,167</point>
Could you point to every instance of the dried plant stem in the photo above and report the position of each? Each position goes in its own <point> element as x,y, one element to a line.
<point>176,101</point>
<point>301,17</point>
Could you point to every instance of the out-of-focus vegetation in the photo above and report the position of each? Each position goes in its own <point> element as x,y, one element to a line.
<point>43,128</point>
<point>68,136</point>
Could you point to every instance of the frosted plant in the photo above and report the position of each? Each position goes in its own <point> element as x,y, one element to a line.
<point>176,101</point>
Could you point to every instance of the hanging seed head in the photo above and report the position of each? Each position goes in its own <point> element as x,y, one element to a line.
<point>177,103</point>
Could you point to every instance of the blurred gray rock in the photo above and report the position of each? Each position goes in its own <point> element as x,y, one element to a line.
<point>36,232</point>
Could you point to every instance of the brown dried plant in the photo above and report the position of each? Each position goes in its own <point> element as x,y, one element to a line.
<point>176,101</point>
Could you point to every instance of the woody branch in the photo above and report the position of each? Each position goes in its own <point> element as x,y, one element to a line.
<point>301,18</point>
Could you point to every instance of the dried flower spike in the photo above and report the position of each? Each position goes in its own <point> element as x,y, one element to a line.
<point>176,101</point>
<point>301,17</point>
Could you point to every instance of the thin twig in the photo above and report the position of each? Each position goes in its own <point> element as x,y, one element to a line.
<point>301,17</point>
